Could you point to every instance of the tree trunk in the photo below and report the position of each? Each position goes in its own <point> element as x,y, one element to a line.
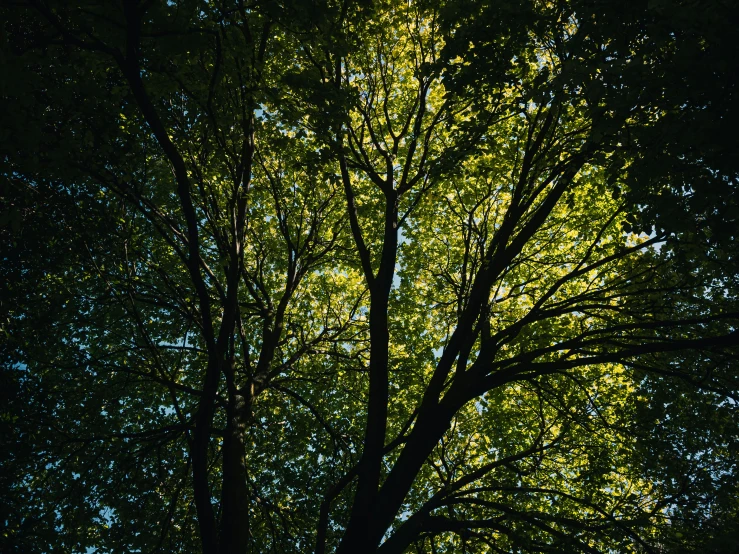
<point>235,496</point>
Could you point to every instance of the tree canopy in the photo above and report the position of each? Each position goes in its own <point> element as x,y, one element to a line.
<point>369,276</point>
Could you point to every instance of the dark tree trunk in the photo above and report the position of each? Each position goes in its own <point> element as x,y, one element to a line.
<point>235,496</point>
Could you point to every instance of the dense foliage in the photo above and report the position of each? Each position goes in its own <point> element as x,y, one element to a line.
<point>369,276</point>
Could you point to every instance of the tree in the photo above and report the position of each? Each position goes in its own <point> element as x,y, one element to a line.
<point>361,277</point>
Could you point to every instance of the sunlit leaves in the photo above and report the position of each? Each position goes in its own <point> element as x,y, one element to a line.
<point>500,145</point>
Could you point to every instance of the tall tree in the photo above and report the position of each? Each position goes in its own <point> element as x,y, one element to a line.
<point>367,277</point>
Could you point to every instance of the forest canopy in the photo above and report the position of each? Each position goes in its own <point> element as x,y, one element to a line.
<point>358,276</point>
